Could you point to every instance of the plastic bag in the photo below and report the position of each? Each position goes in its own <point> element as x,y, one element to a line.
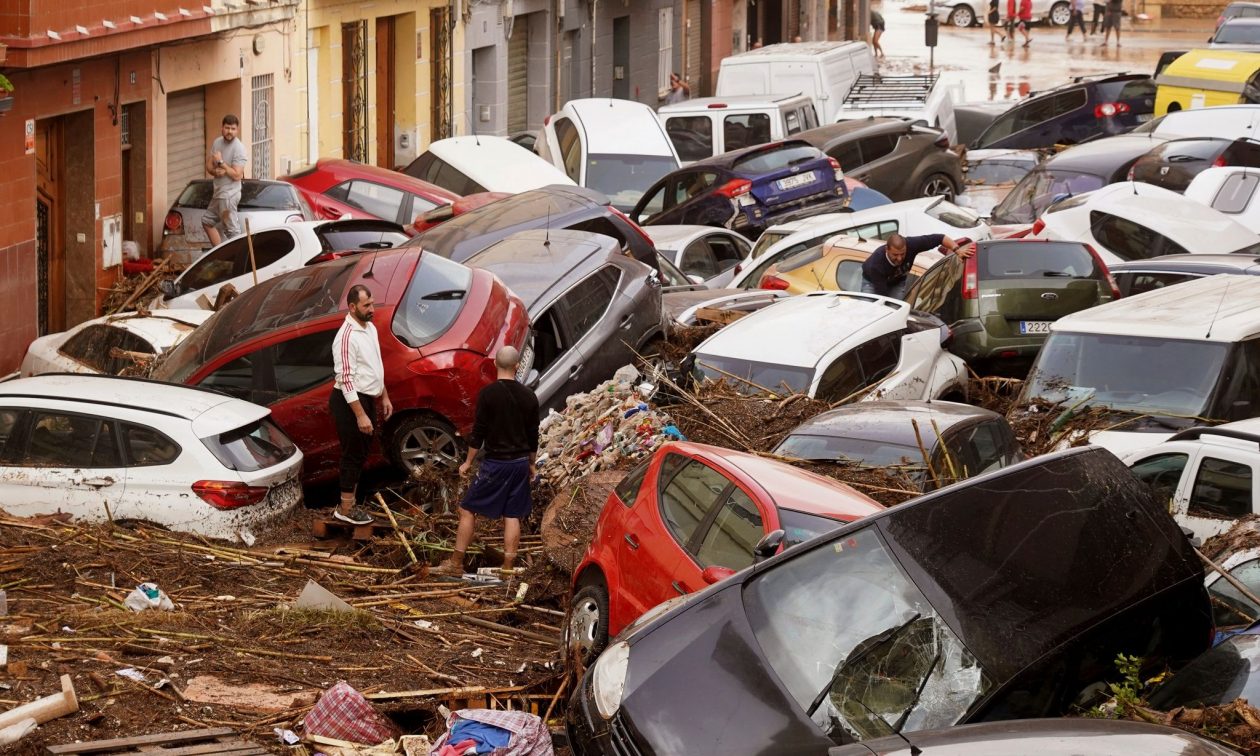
<point>148,596</point>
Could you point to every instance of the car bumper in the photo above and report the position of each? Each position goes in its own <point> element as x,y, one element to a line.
<point>589,733</point>
<point>762,217</point>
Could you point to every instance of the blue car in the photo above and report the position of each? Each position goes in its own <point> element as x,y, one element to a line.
<point>1086,108</point>
<point>747,190</point>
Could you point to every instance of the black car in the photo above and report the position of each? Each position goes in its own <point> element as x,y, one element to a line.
<point>1088,107</point>
<point>555,207</point>
<point>1243,32</point>
<point>1001,597</point>
<point>1174,164</point>
<point>1137,276</point>
<point>747,190</point>
<point>892,156</point>
<point>1081,169</point>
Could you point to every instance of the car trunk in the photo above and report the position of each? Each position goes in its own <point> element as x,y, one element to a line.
<point>790,185</point>
<point>1025,286</point>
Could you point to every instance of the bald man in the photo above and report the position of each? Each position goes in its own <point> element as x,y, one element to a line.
<point>506,427</point>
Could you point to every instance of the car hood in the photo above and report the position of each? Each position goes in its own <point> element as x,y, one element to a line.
<point>1124,443</point>
<point>681,306</point>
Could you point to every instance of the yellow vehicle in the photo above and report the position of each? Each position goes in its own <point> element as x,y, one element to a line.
<point>835,265</point>
<point>1207,77</point>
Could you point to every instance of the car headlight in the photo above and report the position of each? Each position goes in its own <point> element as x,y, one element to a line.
<point>608,680</point>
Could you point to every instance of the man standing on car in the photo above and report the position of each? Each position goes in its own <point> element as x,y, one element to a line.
<point>506,427</point>
<point>884,272</point>
<point>358,382</point>
<point>226,162</point>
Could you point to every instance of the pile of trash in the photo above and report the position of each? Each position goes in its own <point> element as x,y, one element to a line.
<point>602,429</point>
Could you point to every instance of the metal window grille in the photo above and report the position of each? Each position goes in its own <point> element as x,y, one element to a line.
<point>125,124</point>
<point>354,91</point>
<point>440,70</point>
<point>665,56</point>
<point>263,113</point>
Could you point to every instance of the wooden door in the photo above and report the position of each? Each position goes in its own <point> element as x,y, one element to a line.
<point>50,248</point>
<point>385,86</point>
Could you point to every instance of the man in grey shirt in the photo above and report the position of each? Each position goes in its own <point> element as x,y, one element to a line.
<point>226,162</point>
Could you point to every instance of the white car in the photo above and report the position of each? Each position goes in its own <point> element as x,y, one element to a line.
<point>832,346</point>
<point>1224,121</point>
<point>473,164</point>
<point>966,13</point>
<point>617,147</point>
<point>1208,474</point>
<point>90,347</point>
<point>708,255</point>
<point>1132,220</point>
<point>98,447</point>
<point>1230,190</point>
<point>924,215</point>
<point>274,251</point>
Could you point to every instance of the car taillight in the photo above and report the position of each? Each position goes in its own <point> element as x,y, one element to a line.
<point>734,188</point>
<point>174,222</point>
<point>228,494</point>
<point>773,282</point>
<point>637,229</point>
<point>1219,162</point>
<point>1109,109</point>
<point>716,105</point>
<point>1038,226</point>
<point>971,279</point>
<point>739,268</point>
<point>1111,280</point>
<point>835,166</point>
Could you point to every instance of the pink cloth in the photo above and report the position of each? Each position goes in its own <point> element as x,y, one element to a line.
<point>343,713</point>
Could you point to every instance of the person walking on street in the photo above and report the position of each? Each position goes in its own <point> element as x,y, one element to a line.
<point>1099,9</point>
<point>358,384</point>
<point>1077,19</point>
<point>678,89</point>
<point>226,163</point>
<point>1025,20</point>
<point>877,30</point>
<point>1115,9</point>
<point>994,21</point>
<point>885,271</point>
<point>506,427</point>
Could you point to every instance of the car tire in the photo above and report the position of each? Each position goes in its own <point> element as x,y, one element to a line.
<point>422,440</point>
<point>962,16</point>
<point>1060,14</point>
<point>651,362</point>
<point>586,628</point>
<point>937,185</point>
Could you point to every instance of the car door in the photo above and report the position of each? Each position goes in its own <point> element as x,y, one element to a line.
<point>376,200</point>
<point>727,253</point>
<point>158,487</point>
<point>62,461</point>
<point>596,349</point>
<point>882,169</point>
<point>1217,488</point>
<point>697,260</point>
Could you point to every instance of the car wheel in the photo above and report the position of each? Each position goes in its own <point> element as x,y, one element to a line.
<point>652,363</point>
<point>1060,14</point>
<point>937,185</point>
<point>962,16</point>
<point>424,441</point>
<point>587,631</point>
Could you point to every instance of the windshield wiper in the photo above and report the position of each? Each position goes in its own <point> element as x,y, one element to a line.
<point>883,639</point>
<point>1055,274</point>
<point>905,715</point>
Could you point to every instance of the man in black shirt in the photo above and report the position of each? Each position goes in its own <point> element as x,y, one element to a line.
<point>884,272</point>
<point>506,427</point>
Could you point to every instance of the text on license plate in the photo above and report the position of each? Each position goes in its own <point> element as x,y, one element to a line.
<point>791,182</point>
<point>1034,326</point>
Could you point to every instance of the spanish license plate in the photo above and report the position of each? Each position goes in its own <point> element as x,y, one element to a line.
<point>1034,326</point>
<point>286,493</point>
<point>792,182</point>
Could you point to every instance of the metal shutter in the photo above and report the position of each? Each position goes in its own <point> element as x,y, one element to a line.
<point>186,144</point>
<point>691,66</point>
<point>518,76</point>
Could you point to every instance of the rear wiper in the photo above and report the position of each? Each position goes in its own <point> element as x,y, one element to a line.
<point>1056,274</point>
<point>883,639</point>
<point>446,295</point>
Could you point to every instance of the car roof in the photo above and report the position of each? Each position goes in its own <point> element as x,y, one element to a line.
<point>1183,220</point>
<point>341,169</point>
<point>733,102</point>
<point>609,127</point>
<point>500,162</point>
<point>803,329</point>
<point>1212,308</point>
<point>1189,263</point>
<point>534,262</point>
<point>1110,151</point>
<point>729,159</point>
<point>801,50</point>
<point>850,126</point>
<point>1085,81</point>
<point>890,421</point>
<point>674,237</point>
<point>1240,21</point>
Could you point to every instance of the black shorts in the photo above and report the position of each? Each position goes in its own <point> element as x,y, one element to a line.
<point>994,18</point>
<point>879,27</point>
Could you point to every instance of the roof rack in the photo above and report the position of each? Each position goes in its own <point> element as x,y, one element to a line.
<point>876,89</point>
<point>1191,434</point>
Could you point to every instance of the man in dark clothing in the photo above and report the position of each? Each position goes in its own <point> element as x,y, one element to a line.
<point>506,427</point>
<point>884,272</point>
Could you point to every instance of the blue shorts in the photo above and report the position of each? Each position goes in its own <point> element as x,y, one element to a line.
<point>501,489</point>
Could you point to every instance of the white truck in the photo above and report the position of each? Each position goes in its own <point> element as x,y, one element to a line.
<point>822,70</point>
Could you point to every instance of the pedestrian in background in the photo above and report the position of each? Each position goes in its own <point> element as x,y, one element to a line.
<point>678,89</point>
<point>994,22</point>
<point>226,163</point>
<point>877,29</point>
<point>1077,19</point>
<point>506,427</point>
<point>1025,20</point>
<point>1115,9</point>
<point>1099,10</point>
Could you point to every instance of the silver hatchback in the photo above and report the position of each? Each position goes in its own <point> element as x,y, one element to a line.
<point>265,203</point>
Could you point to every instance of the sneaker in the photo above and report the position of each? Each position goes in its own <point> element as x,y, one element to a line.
<point>356,516</point>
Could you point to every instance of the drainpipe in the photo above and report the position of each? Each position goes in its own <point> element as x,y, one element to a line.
<point>594,16</point>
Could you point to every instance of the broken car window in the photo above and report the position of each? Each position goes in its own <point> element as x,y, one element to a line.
<point>757,377</point>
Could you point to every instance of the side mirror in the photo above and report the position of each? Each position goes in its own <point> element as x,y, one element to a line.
<point>167,287</point>
<point>715,574</point>
<point>531,380</point>
<point>695,279</point>
<point>769,544</point>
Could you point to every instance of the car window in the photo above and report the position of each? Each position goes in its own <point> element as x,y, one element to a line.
<point>840,379</point>
<point>70,440</point>
<point>196,194</point>
<point>688,495</point>
<point>550,340</point>
<point>654,204</point>
<point>1229,607</point>
<point>849,275</point>
<point>1035,192</point>
<point>384,202</point>
<point>1236,192</point>
<point>931,291</point>
<point>339,238</point>
<point>419,206</point>
<point>232,259</point>
<point>809,116</point>
<point>729,541</point>
<point>1162,473</point>
<point>1138,283</point>
<point>692,136</point>
<point>304,363</point>
<point>1221,489</point>
<point>570,148</point>
<point>1036,260</point>
<point>848,155</point>
<point>776,158</point>
<point>434,298</point>
<point>147,447</point>
<point>726,252</point>
<point>257,195</point>
<point>8,423</point>
<point>697,260</point>
<point>792,122</point>
<point>255,446</point>
<point>1066,102</point>
<point>878,146</point>
<point>585,303</point>
<point>670,274</point>
<point>1239,394</point>
<point>1129,240</point>
<point>739,131</point>
<point>628,489</point>
<point>424,167</point>
<point>1237,34</point>
<point>684,186</point>
<point>879,356</point>
<point>987,446</point>
<point>95,347</point>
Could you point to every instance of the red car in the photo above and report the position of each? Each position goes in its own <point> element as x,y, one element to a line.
<point>439,322</point>
<point>338,187</point>
<point>460,206</point>
<point>688,517</point>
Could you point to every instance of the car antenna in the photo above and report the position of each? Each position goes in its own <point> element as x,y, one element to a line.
<point>547,228</point>
<point>1218,309</point>
<point>372,264</point>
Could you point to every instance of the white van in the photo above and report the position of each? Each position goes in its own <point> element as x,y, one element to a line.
<point>823,70</point>
<point>617,147</point>
<point>708,126</point>
<point>472,164</point>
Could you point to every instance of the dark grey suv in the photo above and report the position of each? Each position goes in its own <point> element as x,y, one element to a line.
<point>891,155</point>
<point>592,307</point>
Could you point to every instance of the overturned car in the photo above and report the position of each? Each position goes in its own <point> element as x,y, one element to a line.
<point>1005,596</point>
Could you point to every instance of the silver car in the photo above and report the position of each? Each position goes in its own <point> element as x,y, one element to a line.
<point>264,203</point>
<point>966,13</point>
<point>708,255</point>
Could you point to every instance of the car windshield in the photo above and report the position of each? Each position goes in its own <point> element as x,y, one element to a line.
<point>751,377</point>
<point>952,215</point>
<point>845,449</point>
<point>1036,191</point>
<point>768,240</point>
<point>519,211</point>
<point>432,301</point>
<point>252,447</point>
<point>624,178</point>
<point>288,299</point>
<point>259,196</point>
<point>1218,677</point>
<point>1142,375</point>
<point>989,172</point>
<point>1237,34</point>
<point>857,645</point>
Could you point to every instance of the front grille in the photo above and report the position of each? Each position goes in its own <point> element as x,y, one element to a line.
<point>619,735</point>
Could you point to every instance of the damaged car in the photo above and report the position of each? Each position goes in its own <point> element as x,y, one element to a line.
<point>1006,596</point>
<point>114,344</point>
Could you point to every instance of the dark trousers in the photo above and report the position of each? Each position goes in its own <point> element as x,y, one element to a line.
<point>354,443</point>
<point>1077,19</point>
<point>1099,10</point>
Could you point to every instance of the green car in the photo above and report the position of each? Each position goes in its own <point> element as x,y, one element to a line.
<point>999,304</point>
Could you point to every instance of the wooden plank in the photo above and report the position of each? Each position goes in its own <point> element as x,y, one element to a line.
<point>226,747</point>
<point>100,746</point>
<point>715,315</point>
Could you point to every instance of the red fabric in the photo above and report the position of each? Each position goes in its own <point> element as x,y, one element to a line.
<point>343,713</point>
<point>132,267</point>
<point>1025,10</point>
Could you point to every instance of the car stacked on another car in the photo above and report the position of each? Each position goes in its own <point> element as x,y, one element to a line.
<point>1140,276</point>
<point>263,203</point>
<point>835,265</point>
<point>1087,107</point>
<point>336,188</point>
<point>114,345</point>
<point>1175,163</point>
<point>893,156</point>
<point>706,254</point>
<point>473,164</point>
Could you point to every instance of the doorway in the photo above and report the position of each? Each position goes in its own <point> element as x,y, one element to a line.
<point>134,176</point>
<point>50,246</point>
<point>621,58</point>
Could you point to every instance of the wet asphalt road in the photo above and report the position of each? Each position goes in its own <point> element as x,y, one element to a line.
<point>965,55</point>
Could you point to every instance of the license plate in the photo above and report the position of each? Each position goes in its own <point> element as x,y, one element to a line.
<point>286,493</point>
<point>1144,117</point>
<point>1034,326</point>
<point>791,182</point>
<point>527,362</point>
